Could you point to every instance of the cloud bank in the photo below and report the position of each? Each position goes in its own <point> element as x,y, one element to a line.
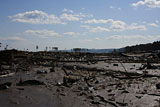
<point>147,3</point>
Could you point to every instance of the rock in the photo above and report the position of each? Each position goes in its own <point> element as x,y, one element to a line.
<point>82,94</point>
<point>63,94</point>
<point>91,97</point>
<point>74,67</point>
<point>80,88</point>
<point>20,88</point>
<point>41,71</point>
<point>96,82</point>
<point>125,91</point>
<point>95,102</point>
<point>131,68</point>
<point>52,69</point>
<point>139,97</point>
<point>122,104</point>
<point>67,81</point>
<point>90,88</point>
<point>57,90</point>
<point>89,63</point>
<point>5,85</point>
<point>14,101</point>
<point>59,83</point>
<point>158,86</point>
<point>30,82</point>
<point>115,64</point>
<point>109,90</point>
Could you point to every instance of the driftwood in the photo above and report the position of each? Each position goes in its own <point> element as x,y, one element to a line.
<point>154,94</point>
<point>122,74</point>
<point>7,74</point>
<point>106,101</point>
<point>129,75</point>
<point>65,71</point>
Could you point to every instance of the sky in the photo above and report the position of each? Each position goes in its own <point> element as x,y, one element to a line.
<point>68,24</point>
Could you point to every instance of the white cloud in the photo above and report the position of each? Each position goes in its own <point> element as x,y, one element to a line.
<point>157,21</point>
<point>116,25</point>
<point>70,17</point>
<point>116,8</point>
<point>132,37</point>
<point>74,34</point>
<point>148,3</point>
<point>110,21</point>
<point>111,7</point>
<point>117,37</point>
<point>36,17</point>
<point>95,29</point>
<point>153,25</point>
<point>40,17</point>
<point>74,16</point>
<point>135,26</point>
<point>15,38</point>
<point>97,38</point>
<point>103,21</point>
<point>86,40</point>
<point>144,22</point>
<point>67,10</point>
<point>83,8</point>
<point>84,15</point>
<point>42,33</point>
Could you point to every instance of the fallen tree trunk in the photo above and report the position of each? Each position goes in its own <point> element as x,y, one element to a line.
<point>122,74</point>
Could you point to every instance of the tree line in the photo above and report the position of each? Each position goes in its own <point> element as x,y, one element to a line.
<point>143,47</point>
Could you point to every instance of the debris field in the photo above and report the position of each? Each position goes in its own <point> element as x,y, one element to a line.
<point>61,79</point>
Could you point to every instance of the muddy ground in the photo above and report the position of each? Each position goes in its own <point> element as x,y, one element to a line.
<point>77,82</point>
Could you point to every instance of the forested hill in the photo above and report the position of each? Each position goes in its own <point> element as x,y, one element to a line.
<point>143,47</point>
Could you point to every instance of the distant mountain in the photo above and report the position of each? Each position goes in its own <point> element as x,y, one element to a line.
<point>100,50</point>
<point>149,47</point>
<point>91,50</point>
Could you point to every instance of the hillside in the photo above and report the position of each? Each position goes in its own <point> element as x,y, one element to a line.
<point>149,47</point>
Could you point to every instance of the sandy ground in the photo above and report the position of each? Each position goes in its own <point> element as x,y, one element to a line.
<point>82,88</point>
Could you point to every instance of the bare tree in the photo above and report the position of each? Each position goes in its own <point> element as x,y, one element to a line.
<point>77,49</point>
<point>55,48</point>
<point>37,47</point>
<point>6,47</point>
<point>46,48</point>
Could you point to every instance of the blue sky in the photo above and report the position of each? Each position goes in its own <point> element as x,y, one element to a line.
<point>78,23</point>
